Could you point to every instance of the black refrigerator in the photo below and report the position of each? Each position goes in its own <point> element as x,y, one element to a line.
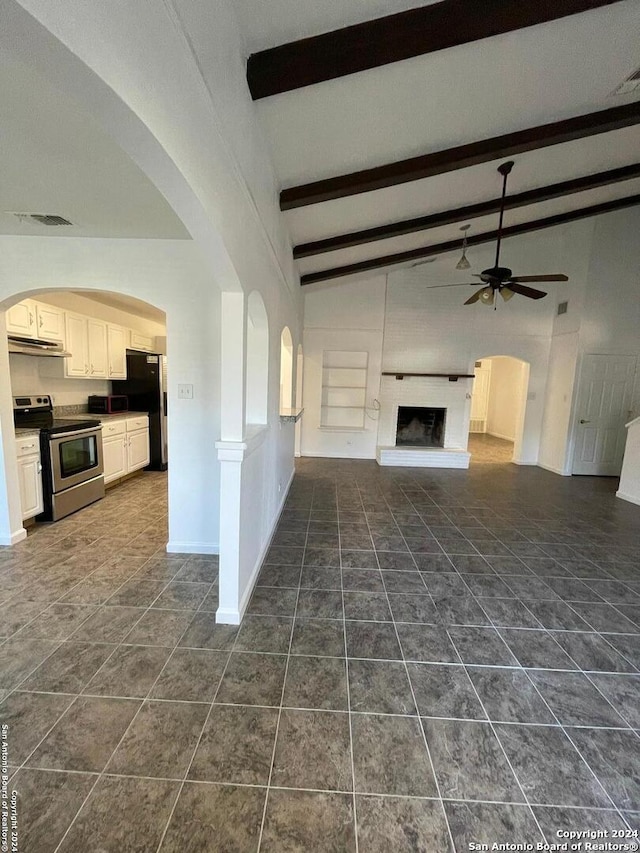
<point>146,388</point>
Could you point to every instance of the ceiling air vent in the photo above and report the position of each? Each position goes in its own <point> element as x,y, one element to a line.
<point>629,85</point>
<point>43,218</point>
<point>563,307</point>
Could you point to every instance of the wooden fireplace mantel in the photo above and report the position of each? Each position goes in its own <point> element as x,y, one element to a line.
<point>452,377</point>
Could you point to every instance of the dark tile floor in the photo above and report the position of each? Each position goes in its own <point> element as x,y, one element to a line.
<point>430,658</point>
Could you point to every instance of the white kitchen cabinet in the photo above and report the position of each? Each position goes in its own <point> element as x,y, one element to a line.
<point>117,352</point>
<point>30,476</point>
<point>50,322</point>
<point>77,364</point>
<point>86,340</point>
<point>97,348</point>
<point>146,343</point>
<point>21,319</point>
<point>31,319</point>
<point>138,453</point>
<point>125,446</point>
<point>114,450</point>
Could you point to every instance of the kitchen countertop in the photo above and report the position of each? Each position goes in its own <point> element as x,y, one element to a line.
<point>92,416</point>
<point>25,432</point>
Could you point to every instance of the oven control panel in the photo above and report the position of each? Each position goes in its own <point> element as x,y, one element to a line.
<point>42,402</point>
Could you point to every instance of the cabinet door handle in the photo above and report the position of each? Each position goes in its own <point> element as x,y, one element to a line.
<point>27,446</point>
<point>40,321</point>
<point>30,318</point>
<point>582,421</point>
<point>86,368</point>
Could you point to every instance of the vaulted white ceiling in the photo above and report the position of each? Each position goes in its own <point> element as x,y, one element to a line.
<point>56,160</point>
<point>464,94</point>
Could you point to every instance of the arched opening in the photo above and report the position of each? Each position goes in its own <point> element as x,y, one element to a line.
<point>286,370</point>
<point>89,406</point>
<point>257,382</point>
<point>498,404</point>
<point>299,375</point>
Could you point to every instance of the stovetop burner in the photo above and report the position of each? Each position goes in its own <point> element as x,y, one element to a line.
<point>37,413</point>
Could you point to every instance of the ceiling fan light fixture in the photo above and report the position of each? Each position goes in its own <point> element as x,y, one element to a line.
<point>486,296</point>
<point>506,293</point>
<point>463,263</point>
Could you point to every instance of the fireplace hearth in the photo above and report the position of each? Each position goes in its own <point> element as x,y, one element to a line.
<point>420,426</point>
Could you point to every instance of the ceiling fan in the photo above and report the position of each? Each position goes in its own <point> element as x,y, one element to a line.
<point>499,279</point>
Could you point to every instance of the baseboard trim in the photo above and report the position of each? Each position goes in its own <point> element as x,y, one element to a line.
<point>227,617</point>
<point>554,470</point>
<point>336,455</point>
<point>13,538</point>
<point>192,548</point>
<point>500,435</point>
<point>625,497</point>
<point>244,601</point>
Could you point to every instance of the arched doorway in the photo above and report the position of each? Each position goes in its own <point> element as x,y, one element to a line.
<point>498,404</point>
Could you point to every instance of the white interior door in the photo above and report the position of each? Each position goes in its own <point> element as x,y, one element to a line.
<point>605,391</point>
<point>480,396</point>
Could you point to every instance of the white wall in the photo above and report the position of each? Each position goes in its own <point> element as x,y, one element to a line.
<point>343,317</point>
<point>629,489</point>
<point>177,102</point>
<point>505,397</point>
<point>172,276</point>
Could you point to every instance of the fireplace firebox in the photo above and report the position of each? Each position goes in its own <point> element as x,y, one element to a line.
<point>420,427</point>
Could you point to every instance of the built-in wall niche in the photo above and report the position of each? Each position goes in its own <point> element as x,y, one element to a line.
<point>344,389</point>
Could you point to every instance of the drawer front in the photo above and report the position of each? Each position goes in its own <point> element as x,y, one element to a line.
<point>110,428</point>
<point>137,423</point>
<point>28,446</point>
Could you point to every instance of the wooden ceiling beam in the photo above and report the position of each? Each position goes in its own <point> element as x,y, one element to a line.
<point>461,157</point>
<point>473,240</point>
<point>470,211</point>
<point>396,37</point>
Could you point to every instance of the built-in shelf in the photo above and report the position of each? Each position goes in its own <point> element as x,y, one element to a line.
<point>290,416</point>
<point>452,377</point>
<point>344,388</point>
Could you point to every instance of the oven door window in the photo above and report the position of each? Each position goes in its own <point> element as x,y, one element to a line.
<point>78,454</point>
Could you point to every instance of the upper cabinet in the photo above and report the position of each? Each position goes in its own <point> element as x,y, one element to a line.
<point>117,351</point>
<point>97,349</point>
<point>31,319</point>
<point>50,322</point>
<point>21,319</point>
<point>146,343</point>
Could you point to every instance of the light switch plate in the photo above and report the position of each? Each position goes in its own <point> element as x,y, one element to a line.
<point>185,392</point>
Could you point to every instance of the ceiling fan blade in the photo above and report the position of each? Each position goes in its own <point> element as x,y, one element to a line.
<point>466,284</point>
<point>475,297</point>
<point>525,291</point>
<point>555,277</point>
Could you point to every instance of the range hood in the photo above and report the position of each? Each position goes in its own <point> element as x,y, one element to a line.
<point>36,346</point>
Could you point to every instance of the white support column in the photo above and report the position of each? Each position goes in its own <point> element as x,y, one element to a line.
<point>11,529</point>
<point>231,450</point>
<point>230,456</point>
<point>232,382</point>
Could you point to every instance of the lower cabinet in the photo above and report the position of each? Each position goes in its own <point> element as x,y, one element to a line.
<point>125,446</point>
<point>30,476</point>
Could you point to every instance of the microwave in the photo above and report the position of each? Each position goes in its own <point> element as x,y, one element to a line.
<point>108,404</point>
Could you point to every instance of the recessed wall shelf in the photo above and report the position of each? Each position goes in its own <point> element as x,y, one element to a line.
<point>344,388</point>
<point>452,377</point>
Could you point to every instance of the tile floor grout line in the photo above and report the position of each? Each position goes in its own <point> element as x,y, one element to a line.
<point>348,688</point>
<point>563,728</point>
<point>443,811</point>
<point>284,685</point>
<point>140,706</point>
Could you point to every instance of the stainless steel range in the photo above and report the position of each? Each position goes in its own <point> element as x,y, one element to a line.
<point>71,451</point>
